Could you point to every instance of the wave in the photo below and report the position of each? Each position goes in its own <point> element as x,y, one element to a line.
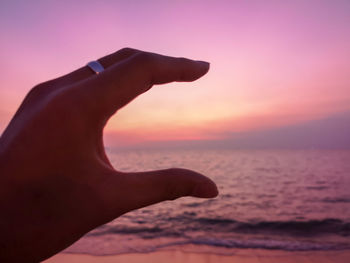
<point>203,244</point>
<point>336,200</point>
<point>178,225</point>
<point>270,244</point>
<point>217,235</point>
<point>304,228</point>
<point>292,228</point>
<point>317,187</point>
<point>124,230</point>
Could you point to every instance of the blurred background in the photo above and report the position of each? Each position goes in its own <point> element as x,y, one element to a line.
<point>269,123</point>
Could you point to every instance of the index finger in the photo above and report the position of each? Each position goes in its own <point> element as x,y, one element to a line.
<point>121,83</point>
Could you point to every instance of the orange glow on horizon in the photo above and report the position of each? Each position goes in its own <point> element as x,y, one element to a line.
<point>216,129</point>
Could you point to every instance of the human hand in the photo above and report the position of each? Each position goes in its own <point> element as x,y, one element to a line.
<point>56,182</point>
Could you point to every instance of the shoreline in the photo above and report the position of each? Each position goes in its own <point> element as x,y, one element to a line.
<point>182,255</point>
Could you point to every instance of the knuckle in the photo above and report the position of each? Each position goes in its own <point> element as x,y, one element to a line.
<point>36,94</point>
<point>126,50</point>
<point>183,60</point>
<point>174,171</point>
<point>37,91</point>
<point>144,59</point>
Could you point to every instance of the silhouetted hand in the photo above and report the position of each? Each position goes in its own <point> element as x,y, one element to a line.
<point>56,183</point>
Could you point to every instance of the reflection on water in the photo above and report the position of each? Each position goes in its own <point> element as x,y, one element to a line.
<point>290,200</point>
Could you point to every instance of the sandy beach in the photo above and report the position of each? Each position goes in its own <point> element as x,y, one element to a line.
<point>239,256</point>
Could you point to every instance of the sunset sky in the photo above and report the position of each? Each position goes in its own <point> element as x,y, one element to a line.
<point>273,63</point>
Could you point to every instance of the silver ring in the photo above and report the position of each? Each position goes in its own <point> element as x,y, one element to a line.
<point>95,66</point>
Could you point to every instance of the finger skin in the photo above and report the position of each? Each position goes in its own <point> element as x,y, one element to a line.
<point>56,182</point>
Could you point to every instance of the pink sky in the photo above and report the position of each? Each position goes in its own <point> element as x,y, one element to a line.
<point>273,63</point>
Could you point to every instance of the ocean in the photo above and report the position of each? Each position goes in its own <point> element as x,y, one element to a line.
<point>294,200</point>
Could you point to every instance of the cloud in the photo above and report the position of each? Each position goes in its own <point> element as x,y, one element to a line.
<point>328,133</point>
<point>332,132</point>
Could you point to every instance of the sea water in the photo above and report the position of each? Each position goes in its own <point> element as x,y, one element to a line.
<point>295,200</point>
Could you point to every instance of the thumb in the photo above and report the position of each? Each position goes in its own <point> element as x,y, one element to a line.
<point>146,188</point>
